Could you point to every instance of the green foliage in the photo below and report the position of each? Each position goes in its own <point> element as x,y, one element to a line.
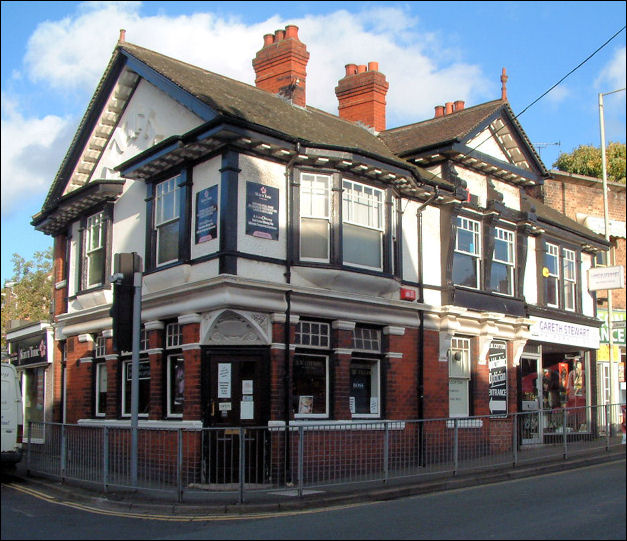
<point>586,160</point>
<point>28,295</point>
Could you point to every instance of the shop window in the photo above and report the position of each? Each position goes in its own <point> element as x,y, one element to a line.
<point>467,256</point>
<point>363,225</point>
<point>34,387</point>
<point>176,385</point>
<point>315,203</point>
<point>94,251</point>
<point>365,396</point>
<point>459,377</point>
<point>166,221</point>
<point>310,390</point>
<point>502,268</point>
<point>312,334</point>
<point>144,387</point>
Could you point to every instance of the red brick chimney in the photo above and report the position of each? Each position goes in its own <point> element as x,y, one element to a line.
<point>361,95</point>
<point>280,66</point>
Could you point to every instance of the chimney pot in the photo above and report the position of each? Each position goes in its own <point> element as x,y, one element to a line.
<point>351,69</point>
<point>268,39</point>
<point>373,66</point>
<point>439,111</point>
<point>291,31</point>
<point>504,78</point>
<point>361,68</point>
<point>279,35</point>
<point>449,107</point>
<point>459,105</point>
<point>122,35</point>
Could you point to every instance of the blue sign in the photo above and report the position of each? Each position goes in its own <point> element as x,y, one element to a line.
<point>207,214</point>
<point>262,211</point>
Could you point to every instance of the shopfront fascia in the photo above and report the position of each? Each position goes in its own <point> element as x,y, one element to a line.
<point>556,390</point>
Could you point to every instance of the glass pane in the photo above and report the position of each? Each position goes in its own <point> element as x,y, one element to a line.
<point>177,385</point>
<point>362,246</point>
<point>500,278</point>
<point>502,251</point>
<point>361,387</point>
<point>168,242</point>
<point>465,270</point>
<point>569,296</point>
<point>550,262</point>
<point>550,291</point>
<point>314,238</point>
<point>310,385</point>
<point>466,241</point>
<point>458,397</point>
<point>95,264</point>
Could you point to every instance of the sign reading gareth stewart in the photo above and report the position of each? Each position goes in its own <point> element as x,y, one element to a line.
<point>262,211</point>
<point>562,332</point>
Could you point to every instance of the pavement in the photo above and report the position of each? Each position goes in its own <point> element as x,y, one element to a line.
<point>197,505</point>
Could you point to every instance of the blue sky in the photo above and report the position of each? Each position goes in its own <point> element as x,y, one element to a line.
<point>53,54</point>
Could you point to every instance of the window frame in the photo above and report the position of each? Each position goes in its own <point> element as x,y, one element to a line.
<point>569,283</point>
<point>98,392</point>
<point>124,392</point>
<point>462,223</point>
<point>510,264</point>
<point>312,216</point>
<point>374,364</point>
<point>94,222</point>
<point>463,345</point>
<point>172,359</point>
<point>552,250</point>
<point>319,355</point>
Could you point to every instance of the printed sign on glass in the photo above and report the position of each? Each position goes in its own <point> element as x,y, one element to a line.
<point>497,364</point>
<point>207,214</point>
<point>262,211</point>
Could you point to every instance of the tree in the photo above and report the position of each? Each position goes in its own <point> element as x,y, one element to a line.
<point>586,160</point>
<point>28,295</point>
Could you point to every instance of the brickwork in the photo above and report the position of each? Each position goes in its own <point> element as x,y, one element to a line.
<point>79,377</point>
<point>192,408</point>
<point>435,378</point>
<point>402,376</point>
<point>343,340</point>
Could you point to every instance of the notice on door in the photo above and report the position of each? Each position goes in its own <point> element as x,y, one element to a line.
<point>497,364</point>
<point>224,380</point>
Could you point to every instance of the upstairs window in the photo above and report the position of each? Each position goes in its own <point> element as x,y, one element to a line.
<point>94,251</point>
<point>363,225</point>
<point>315,202</point>
<point>502,269</point>
<point>551,275</point>
<point>166,222</point>
<point>559,274</point>
<point>570,279</point>
<point>467,256</point>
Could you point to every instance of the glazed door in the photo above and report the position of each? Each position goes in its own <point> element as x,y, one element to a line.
<point>531,406</point>
<point>236,404</point>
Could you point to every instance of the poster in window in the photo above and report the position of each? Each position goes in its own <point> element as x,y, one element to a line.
<point>179,382</point>
<point>224,380</point>
<point>262,211</point>
<point>207,214</point>
<point>305,404</point>
<point>497,364</point>
<point>361,389</point>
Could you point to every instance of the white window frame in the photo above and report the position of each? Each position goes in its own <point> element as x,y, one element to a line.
<point>310,189</point>
<point>324,415</point>
<point>95,235</point>
<point>310,332</point>
<point>125,365</point>
<point>100,366</point>
<point>569,272</point>
<point>460,371</point>
<point>163,192</point>
<point>474,228</point>
<point>100,346</point>
<point>356,193</point>
<point>375,385</point>
<point>553,250</point>
<point>508,237</point>
<point>171,359</point>
<point>369,338</point>
<point>173,335</point>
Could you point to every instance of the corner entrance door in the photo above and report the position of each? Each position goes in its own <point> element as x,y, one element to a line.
<point>236,402</point>
<point>532,399</point>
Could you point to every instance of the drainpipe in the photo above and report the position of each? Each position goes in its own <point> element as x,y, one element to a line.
<point>289,173</point>
<point>421,300</point>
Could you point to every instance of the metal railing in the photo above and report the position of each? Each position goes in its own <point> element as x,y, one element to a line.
<point>238,461</point>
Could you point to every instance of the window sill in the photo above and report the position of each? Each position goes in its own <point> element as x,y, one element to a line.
<point>463,422</point>
<point>353,424</point>
<point>142,423</point>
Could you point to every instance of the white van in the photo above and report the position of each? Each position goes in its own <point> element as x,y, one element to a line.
<point>12,416</point>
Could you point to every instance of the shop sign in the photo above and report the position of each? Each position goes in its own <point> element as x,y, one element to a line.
<point>207,214</point>
<point>497,364</point>
<point>562,332</point>
<point>30,351</point>
<point>606,278</point>
<point>262,211</point>
<point>618,330</point>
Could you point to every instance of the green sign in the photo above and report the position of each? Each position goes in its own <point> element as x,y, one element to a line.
<point>618,334</point>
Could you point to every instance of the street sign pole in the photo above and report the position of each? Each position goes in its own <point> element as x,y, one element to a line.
<point>137,308</point>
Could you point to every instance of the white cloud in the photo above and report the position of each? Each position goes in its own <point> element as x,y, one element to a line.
<point>558,95</point>
<point>29,147</point>
<point>612,76</point>
<point>68,57</point>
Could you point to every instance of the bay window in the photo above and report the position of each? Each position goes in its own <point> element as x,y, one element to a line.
<point>551,275</point>
<point>502,268</point>
<point>467,256</point>
<point>570,279</point>
<point>559,273</point>
<point>94,251</point>
<point>315,202</point>
<point>166,220</point>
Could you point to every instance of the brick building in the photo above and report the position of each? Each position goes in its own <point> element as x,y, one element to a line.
<point>302,267</point>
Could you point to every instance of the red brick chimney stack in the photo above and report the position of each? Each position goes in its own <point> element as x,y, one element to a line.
<point>450,108</point>
<point>361,95</point>
<point>281,65</point>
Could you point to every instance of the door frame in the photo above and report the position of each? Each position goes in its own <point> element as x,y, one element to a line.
<point>537,358</point>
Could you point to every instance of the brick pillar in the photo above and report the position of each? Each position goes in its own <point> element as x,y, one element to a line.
<point>401,385</point>
<point>277,367</point>
<point>343,339</point>
<point>79,378</point>
<point>157,369</point>
<point>435,378</point>
<point>190,327</point>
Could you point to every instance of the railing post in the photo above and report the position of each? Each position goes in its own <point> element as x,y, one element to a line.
<point>105,457</point>
<point>29,433</point>
<point>515,439</point>
<point>386,453</point>
<point>456,447</point>
<point>242,463</point>
<point>564,433</point>
<point>301,454</point>
<point>607,426</point>
<point>63,457</point>
<point>179,465</point>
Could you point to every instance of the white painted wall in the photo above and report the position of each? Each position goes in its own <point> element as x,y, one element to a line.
<point>511,194</point>
<point>587,300</point>
<point>486,144</point>
<point>531,280</point>
<point>410,240</point>
<point>476,183</point>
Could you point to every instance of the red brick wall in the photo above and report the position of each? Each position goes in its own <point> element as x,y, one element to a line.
<point>192,408</point>
<point>402,376</point>
<point>435,378</point>
<point>79,380</point>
